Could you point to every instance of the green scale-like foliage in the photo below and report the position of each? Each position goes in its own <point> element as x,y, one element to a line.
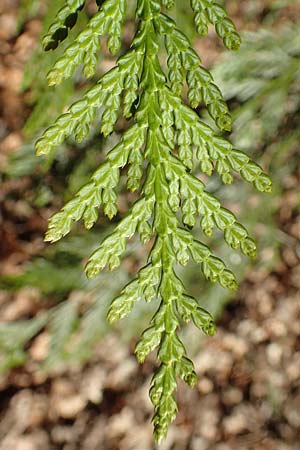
<point>164,146</point>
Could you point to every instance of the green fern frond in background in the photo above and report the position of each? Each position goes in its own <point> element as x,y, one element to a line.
<point>14,337</point>
<point>269,93</point>
<point>76,322</point>
<point>164,142</point>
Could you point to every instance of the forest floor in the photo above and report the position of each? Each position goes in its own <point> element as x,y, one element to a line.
<point>248,394</point>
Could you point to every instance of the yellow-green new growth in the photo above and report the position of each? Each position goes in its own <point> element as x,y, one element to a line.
<point>164,146</point>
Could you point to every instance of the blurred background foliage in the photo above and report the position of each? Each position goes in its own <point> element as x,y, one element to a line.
<point>261,84</point>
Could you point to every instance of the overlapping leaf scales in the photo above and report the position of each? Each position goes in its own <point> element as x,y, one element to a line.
<point>65,19</point>
<point>84,49</point>
<point>208,12</point>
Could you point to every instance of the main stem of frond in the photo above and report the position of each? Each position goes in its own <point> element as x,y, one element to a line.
<point>164,381</point>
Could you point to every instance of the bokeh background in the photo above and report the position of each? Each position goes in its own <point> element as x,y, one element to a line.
<point>67,380</point>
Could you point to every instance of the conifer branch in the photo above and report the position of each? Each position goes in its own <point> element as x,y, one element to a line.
<point>166,141</point>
